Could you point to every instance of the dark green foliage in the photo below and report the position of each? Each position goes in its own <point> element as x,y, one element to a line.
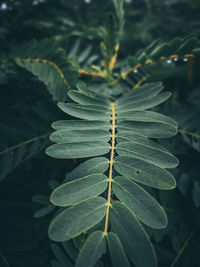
<point>131,143</point>
<point>24,135</point>
<point>109,199</point>
<point>50,64</point>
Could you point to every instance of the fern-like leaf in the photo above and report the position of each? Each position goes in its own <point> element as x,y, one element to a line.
<point>159,60</point>
<point>50,64</point>
<point>104,189</point>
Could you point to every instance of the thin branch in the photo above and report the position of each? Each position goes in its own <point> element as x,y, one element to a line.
<point>189,133</point>
<point>114,58</point>
<point>23,143</point>
<point>150,61</point>
<point>183,248</point>
<point>140,82</point>
<point>4,259</point>
<point>49,63</point>
<point>4,61</point>
<point>169,209</point>
<point>125,74</point>
<point>110,179</point>
<point>84,72</point>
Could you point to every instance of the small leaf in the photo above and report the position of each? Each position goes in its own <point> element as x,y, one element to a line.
<point>6,162</point>
<point>146,103</point>
<point>147,116</point>
<point>80,189</point>
<point>73,136</point>
<point>146,91</point>
<point>147,153</point>
<point>144,173</point>
<point>132,235</point>
<point>84,99</point>
<point>134,137</point>
<point>92,250</point>
<point>61,256</point>
<point>187,46</point>
<point>116,250</point>
<point>81,125</point>
<point>41,199</point>
<point>44,211</point>
<point>84,54</point>
<point>70,249</point>
<point>77,219</point>
<point>149,129</point>
<point>78,150</point>
<point>89,112</point>
<point>93,91</point>
<point>90,166</point>
<point>142,204</point>
<point>19,155</point>
<point>159,51</point>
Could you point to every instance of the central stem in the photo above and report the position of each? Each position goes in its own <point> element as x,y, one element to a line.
<point>108,204</point>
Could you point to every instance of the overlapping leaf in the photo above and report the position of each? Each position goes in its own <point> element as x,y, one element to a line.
<point>24,136</point>
<point>127,128</point>
<point>50,64</point>
<point>159,60</point>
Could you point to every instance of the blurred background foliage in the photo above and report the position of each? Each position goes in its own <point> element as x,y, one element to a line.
<point>27,111</point>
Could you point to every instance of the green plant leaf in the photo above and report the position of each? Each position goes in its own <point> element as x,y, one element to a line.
<point>44,211</point>
<point>91,112</point>
<point>50,64</point>
<point>77,219</point>
<point>73,136</point>
<point>93,91</point>
<point>117,253</point>
<point>70,249</point>
<point>132,235</point>
<point>92,250</point>
<point>128,129</point>
<point>146,91</point>
<point>81,125</point>
<point>149,129</point>
<point>85,99</point>
<point>145,104</point>
<point>144,172</point>
<point>142,204</point>
<point>80,189</point>
<point>135,137</point>
<point>78,150</point>
<point>147,116</point>
<point>91,166</point>
<point>187,45</point>
<point>147,153</point>
<point>61,256</point>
